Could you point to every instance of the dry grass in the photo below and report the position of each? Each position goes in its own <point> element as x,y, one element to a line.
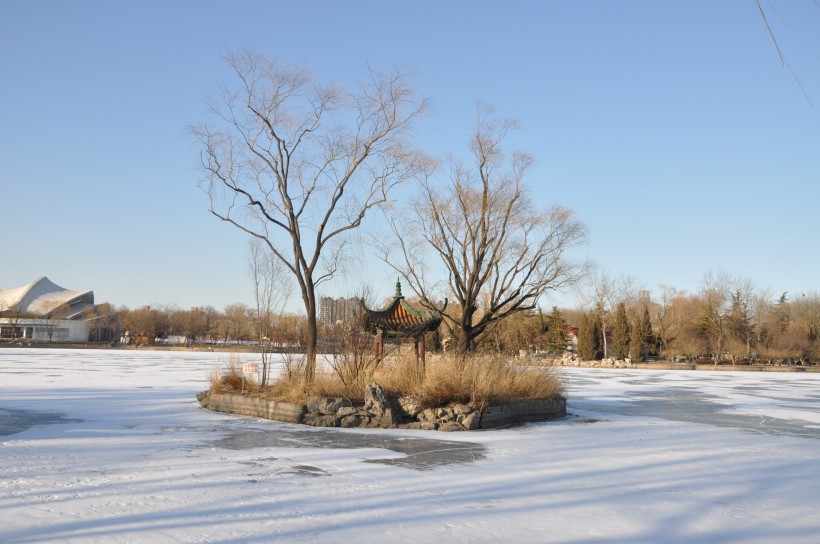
<point>228,379</point>
<point>478,381</point>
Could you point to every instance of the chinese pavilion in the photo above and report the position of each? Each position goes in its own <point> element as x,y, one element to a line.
<point>400,320</point>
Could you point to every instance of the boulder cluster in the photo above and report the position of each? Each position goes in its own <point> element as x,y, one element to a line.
<point>609,362</point>
<point>381,411</point>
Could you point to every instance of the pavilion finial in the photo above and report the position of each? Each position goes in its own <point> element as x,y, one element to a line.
<point>398,288</point>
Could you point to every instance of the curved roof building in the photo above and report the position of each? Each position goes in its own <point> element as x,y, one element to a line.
<point>43,297</point>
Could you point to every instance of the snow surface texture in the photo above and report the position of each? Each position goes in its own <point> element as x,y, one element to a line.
<point>111,446</point>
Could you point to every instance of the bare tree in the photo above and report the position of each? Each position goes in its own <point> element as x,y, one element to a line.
<point>607,292</point>
<point>745,316</point>
<point>663,315</point>
<point>715,294</point>
<point>270,292</point>
<point>298,165</point>
<point>3,320</point>
<point>604,297</point>
<point>50,319</point>
<point>14,317</point>
<point>191,323</point>
<point>147,323</point>
<point>234,324</point>
<point>501,254</point>
<point>103,323</point>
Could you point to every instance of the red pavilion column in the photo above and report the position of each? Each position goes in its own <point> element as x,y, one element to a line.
<point>423,354</point>
<point>379,344</point>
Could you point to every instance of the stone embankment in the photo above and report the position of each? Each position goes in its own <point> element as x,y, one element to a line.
<point>382,412</point>
<point>627,363</point>
<point>605,363</point>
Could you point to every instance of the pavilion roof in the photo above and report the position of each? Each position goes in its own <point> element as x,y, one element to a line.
<point>399,318</point>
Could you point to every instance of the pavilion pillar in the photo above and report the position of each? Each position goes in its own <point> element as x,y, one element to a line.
<point>423,354</point>
<point>378,344</point>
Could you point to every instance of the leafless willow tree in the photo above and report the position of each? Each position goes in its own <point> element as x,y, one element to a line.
<point>299,165</point>
<point>271,292</point>
<point>500,252</point>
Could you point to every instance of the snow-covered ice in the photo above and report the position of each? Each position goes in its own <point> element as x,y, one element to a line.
<point>111,446</point>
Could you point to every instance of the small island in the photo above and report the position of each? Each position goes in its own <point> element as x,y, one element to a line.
<point>370,388</point>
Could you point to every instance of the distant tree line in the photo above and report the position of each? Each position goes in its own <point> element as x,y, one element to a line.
<point>235,323</point>
<point>726,320</point>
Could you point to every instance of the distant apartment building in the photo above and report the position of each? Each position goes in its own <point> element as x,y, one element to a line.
<point>334,311</point>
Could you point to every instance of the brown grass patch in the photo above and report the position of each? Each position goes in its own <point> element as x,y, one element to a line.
<point>228,378</point>
<point>478,381</point>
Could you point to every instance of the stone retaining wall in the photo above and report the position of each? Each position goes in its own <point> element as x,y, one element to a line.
<point>620,363</point>
<point>379,411</point>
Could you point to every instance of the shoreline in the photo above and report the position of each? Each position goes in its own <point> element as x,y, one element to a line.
<point>723,367</point>
<point>603,364</point>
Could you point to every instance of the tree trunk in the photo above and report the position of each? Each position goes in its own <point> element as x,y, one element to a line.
<point>466,334</point>
<point>719,346</point>
<point>465,343</point>
<point>311,341</point>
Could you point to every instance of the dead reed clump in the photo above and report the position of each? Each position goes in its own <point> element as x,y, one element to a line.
<point>475,380</point>
<point>229,378</point>
<point>293,388</point>
<point>399,375</point>
<point>478,381</point>
<point>331,385</point>
<point>288,389</point>
<point>488,380</point>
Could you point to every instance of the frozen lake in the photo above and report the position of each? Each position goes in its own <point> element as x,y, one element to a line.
<point>111,446</point>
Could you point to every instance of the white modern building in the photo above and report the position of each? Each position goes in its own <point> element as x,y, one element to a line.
<point>42,310</point>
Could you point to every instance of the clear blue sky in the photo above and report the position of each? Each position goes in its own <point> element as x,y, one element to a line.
<point>672,128</point>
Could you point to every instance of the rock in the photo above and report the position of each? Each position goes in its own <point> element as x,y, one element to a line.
<point>446,414</point>
<point>416,425</point>
<point>333,405</point>
<point>375,398</point>
<point>428,415</point>
<point>320,420</point>
<point>327,405</point>
<point>387,420</point>
<point>345,411</point>
<point>410,406</point>
<point>353,421</point>
<point>450,426</point>
<point>376,401</point>
<point>471,421</point>
<point>313,404</point>
<point>462,409</point>
<point>428,425</point>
